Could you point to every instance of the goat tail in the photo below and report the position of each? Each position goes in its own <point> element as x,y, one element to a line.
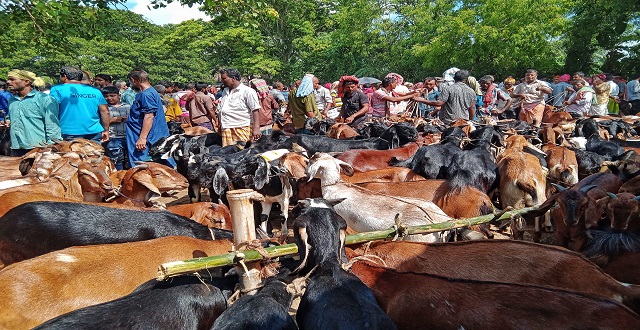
<point>529,188</point>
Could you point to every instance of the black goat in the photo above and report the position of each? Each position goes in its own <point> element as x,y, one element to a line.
<point>184,302</point>
<point>36,228</point>
<point>314,144</point>
<point>334,299</point>
<point>268,309</point>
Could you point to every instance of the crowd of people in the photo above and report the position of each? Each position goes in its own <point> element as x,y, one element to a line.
<point>127,117</point>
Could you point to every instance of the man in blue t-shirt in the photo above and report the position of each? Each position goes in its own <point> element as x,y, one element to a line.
<point>83,110</point>
<point>146,123</point>
<point>4,99</point>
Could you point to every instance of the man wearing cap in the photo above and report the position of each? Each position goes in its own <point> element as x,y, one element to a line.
<point>83,110</point>
<point>33,115</point>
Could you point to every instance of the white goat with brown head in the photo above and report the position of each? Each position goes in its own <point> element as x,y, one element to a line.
<point>366,210</point>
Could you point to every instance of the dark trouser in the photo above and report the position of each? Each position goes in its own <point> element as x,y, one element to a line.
<point>575,115</point>
<point>95,137</point>
<point>19,152</point>
<point>635,107</point>
<point>115,149</point>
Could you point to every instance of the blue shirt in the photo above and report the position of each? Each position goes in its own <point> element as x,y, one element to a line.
<point>558,91</point>
<point>147,101</point>
<point>34,120</point>
<point>128,96</point>
<point>631,86</point>
<point>4,102</point>
<point>434,95</point>
<point>79,113</point>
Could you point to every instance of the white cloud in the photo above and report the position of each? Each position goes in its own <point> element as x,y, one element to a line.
<point>173,13</point>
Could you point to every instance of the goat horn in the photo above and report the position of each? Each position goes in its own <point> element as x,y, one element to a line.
<point>74,165</point>
<point>559,187</point>
<point>612,195</point>
<point>587,188</point>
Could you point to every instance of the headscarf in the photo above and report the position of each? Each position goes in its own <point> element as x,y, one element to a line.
<point>565,77</point>
<point>399,79</point>
<point>306,86</point>
<point>327,85</point>
<point>344,79</point>
<point>602,76</point>
<point>448,75</point>
<point>473,83</point>
<point>27,75</point>
<point>260,86</point>
<point>22,75</point>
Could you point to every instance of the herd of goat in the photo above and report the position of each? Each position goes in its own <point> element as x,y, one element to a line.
<point>80,243</point>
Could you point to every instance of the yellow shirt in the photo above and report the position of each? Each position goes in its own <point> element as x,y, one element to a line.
<point>173,109</point>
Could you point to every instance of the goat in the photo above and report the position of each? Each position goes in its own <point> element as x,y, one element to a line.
<point>36,228</point>
<point>59,282</point>
<point>562,164</point>
<point>578,208</point>
<point>364,211</point>
<point>393,174</point>
<point>451,303</point>
<point>143,184</point>
<point>369,160</point>
<point>522,183</point>
<point>185,302</point>
<point>341,131</point>
<point>334,299</point>
<point>552,266</point>
<point>268,309</point>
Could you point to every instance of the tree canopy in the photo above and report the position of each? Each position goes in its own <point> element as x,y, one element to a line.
<point>282,40</point>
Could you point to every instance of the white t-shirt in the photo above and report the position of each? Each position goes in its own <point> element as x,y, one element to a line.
<point>398,107</point>
<point>614,89</point>
<point>531,95</point>
<point>237,105</point>
<point>323,97</point>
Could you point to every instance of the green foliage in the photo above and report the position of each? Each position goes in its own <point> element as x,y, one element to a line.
<point>282,40</point>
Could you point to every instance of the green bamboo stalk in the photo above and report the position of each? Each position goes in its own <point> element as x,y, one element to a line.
<point>176,268</point>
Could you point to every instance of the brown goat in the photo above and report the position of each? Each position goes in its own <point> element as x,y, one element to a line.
<point>341,131</point>
<point>632,186</point>
<point>562,164</point>
<point>393,174</point>
<point>579,209</point>
<point>522,182</point>
<point>86,181</point>
<point>556,117</point>
<point>424,301</point>
<point>552,266</point>
<point>368,160</point>
<point>143,184</point>
<point>59,282</point>
<point>624,268</point>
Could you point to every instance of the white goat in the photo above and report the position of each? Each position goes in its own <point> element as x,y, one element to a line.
<point>367,211</point>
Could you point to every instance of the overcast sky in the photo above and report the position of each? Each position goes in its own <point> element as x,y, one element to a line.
<point>174,13</point>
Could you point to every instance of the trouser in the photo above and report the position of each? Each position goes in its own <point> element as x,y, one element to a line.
<point>635,107</point>
<point>94,136</point>
<point>115,149</point>
<point>19,152</point>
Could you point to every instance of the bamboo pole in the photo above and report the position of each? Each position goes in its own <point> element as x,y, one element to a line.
<point>175,268</point>
<point>244,230</point>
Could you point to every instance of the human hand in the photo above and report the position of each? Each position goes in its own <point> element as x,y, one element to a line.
<point>256,136</point>
<point>141,144</point>
<point>105,136</point>
<point>348,120</point>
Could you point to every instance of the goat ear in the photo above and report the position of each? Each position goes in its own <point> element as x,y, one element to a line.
<point>302,239</point>
<point>220,180</point>
<point>346,168</point>
<point>395,140</point>
<point>145,179</point>
<point>261,176</point>
<point>25,165</point>
<point>334,202</point>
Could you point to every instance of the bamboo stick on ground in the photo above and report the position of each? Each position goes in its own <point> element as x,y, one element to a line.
<point>175,268</point>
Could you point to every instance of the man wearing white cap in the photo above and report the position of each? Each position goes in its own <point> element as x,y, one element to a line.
<point>33,115</point>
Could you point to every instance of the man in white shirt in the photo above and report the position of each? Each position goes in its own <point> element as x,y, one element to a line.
<point>532,92</point>
<point>579,102</point>
<point>324,101</point>
<point>239,105</point>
